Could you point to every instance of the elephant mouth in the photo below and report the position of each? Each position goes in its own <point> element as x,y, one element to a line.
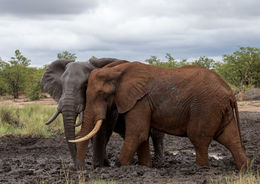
<point>81,114</point>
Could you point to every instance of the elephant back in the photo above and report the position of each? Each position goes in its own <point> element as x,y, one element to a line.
<point>99,63</point>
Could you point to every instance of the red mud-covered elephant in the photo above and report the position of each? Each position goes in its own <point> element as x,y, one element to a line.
<point>189,101</point>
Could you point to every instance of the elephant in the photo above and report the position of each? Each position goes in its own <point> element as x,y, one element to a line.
<point>189,101</point>
<point>66,81</point>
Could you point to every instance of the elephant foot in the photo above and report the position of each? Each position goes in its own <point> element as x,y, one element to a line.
<point>117,163</point>
<point>200,168</point>
<point>158,162</point>
<point>80,166</point>
<point>106,163</point>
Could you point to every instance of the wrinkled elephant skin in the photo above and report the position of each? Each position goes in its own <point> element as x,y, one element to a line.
<point>189,101</point>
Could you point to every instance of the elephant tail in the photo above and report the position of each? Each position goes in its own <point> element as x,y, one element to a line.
<point>236,115</point>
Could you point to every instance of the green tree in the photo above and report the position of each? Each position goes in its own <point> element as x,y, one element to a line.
<point>67,55</point>
<point>93,57</point>
<point>3,85</point>
<point>170,63</point>
<point>153,60</point>
<point>204,62</point>
<point>33,86</point>
<point>242,68</point>
<point>14,73</point>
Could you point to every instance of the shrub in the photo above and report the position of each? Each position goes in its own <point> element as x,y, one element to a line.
<point>8,116</point>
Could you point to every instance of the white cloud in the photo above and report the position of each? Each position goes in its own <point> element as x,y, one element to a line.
<point>37,8</point>
<point>132,30</point>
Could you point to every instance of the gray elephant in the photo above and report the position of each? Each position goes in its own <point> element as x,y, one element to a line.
<point>66,81</point>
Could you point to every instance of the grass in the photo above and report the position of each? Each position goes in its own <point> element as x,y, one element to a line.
<point>242,104</point>
<point>29,121</point>
<point>244,177</point>
<point>103,182</point>
<point>241,178</point>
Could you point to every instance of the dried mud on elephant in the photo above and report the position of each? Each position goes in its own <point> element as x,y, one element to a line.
<point>34,160</point>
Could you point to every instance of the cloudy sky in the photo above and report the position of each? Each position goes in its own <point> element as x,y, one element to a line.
<point>127,29</point>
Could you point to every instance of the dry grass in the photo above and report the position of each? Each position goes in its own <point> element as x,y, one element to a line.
<point>29,120</point>
<point>241,178</point>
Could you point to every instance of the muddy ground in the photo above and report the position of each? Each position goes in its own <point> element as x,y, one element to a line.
<point>38,160</point>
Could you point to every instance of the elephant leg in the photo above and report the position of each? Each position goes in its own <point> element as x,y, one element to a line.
<point>230,138</point>
<point>200,142</point>
<point>99,158</point>
<point>137,122</point>
<point>157,138</point>
<point>201,154</point>
<point>82,147</point>
<point>143,153</point>
<point>100,142</point>
<point>201,145</point>
<point>120,126</point>
<point>81,154</point>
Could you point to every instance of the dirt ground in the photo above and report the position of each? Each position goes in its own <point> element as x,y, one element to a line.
<point>22,101</point>
<point>34,160</point>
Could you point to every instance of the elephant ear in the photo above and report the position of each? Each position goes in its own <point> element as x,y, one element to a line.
<point>51,78</point>
<point>99,63</point>
<point>132,85</point>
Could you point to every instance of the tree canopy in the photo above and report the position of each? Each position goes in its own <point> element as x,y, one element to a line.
<point>67,55</point>
<point>240,69</point>
<point>17,77</point>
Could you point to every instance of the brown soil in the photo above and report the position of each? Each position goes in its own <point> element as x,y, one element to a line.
<point>21,102</point>
<point>249,106</point>
<point>33,160</point>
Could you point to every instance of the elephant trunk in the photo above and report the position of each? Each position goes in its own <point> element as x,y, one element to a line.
<point>69,118</point>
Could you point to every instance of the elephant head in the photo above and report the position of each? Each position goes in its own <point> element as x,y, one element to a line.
<point>114,84</point>
<point>66,81</point>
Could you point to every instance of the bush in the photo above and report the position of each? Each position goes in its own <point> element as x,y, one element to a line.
<point>8,116</point>
<point>33,87</point>
<point>242,68</point>
<point>34,93</point>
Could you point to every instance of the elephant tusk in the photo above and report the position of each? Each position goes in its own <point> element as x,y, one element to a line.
<point>91,134</point>
<point>54,116</point>
<point>80,119</point>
